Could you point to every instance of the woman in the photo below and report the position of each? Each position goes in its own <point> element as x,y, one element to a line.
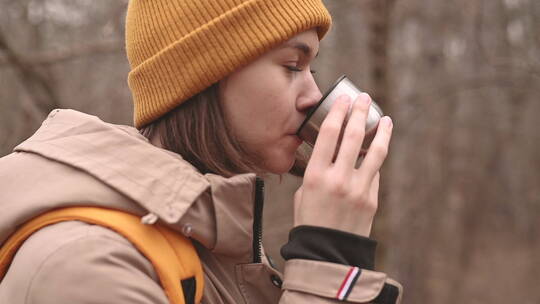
<point>220,88</point>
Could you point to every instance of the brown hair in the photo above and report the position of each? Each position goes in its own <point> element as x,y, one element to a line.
<point>198,131</point>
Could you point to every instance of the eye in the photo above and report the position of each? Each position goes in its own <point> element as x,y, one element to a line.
<point>293,68</point>
<point>297,69</point>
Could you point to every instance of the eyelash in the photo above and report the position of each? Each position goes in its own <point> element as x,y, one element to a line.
<point>297,69</point>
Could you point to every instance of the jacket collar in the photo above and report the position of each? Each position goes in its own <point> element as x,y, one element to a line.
<point>158,180</point>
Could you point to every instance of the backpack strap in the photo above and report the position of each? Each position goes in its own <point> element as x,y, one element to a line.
<point>172,255</point>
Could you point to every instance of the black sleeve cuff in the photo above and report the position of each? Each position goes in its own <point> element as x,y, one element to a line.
<point>329,245</point>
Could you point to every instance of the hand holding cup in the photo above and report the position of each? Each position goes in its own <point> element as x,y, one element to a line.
<point>335,192</point>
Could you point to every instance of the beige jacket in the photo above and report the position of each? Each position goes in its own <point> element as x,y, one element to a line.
<point>76,159</point>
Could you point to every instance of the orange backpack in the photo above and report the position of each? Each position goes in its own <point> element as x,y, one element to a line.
<point>172,254</point>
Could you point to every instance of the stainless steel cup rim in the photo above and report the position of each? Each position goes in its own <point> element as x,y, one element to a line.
<point>314,109</point>
<point>323,99</point>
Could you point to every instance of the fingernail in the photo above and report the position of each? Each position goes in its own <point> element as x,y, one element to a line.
<point>388,122</point>
<point>366,99</point>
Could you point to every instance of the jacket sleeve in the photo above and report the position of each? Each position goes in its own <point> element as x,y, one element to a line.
<point>90,265</point>
<point>330,266</point>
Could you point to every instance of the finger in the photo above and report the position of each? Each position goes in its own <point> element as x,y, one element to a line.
<point>374,189</point>
<point>325,145</point>
<point>353,136</point>
<point>377,152</point>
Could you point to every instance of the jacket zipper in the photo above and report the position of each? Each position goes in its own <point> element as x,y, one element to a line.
<point>257,220</point>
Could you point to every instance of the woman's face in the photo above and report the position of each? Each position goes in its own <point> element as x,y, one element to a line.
<point>266,101</point>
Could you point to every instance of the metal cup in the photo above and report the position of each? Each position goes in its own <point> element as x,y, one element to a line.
<point>309,129</point>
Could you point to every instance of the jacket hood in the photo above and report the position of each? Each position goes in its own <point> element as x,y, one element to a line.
<point>77,159</point>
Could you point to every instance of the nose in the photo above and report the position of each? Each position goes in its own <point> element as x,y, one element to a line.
<point>310,95</point>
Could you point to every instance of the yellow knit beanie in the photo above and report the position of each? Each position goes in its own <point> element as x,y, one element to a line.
<point>178,48</point>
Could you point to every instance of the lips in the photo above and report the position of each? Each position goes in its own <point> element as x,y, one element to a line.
<point>297,139</point>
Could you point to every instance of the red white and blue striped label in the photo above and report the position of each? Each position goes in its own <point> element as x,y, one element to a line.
<point>348,283</point>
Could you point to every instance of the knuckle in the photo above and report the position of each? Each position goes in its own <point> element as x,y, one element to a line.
<point>380,150</point>
<point>331,127</point>
<point>312,180</point>
<point>375,207</point>
<point>309,182</point>
<point>370,208</point>
<point>357,133</point>
<point>362,199</point>
<point>338,188</point>
<point>366,204</point>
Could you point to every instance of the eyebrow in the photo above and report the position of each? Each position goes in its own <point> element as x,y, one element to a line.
<point>306,49</point>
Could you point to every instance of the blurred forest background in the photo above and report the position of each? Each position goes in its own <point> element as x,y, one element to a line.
<point>460,202</point>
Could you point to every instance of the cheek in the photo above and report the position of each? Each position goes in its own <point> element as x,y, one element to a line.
<point>272,117</point>
<point>259,108</point>
<point>257,104</point>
